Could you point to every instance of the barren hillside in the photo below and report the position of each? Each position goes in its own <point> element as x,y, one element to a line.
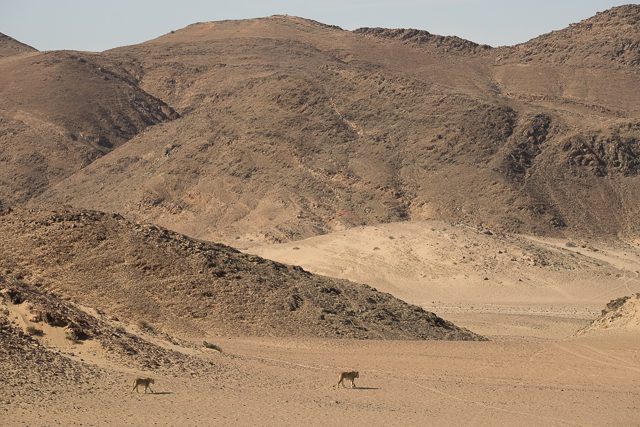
<point>145,273</point>
<point>59,111</point>
<point>290,128</point>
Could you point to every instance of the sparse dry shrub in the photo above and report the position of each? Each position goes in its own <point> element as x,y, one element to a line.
<point>75,333</point>
<point>14,296</point>
<point>295,302</point>
<point>33,331</point>
<point>212,346</point>
<point>570,244</point>
<point>146,326</point>
<point>52,319</point>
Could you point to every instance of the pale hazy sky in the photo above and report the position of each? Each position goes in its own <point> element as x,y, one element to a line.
<point>99,25</point>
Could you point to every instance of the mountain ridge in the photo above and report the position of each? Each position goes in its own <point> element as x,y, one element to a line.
<point>612,36</point>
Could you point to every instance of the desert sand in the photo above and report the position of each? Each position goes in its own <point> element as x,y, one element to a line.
<point>582,381</point>
<point>491,283</point>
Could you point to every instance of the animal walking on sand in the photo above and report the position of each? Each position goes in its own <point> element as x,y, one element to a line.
<point>146,382</point>
<point>351,376</point>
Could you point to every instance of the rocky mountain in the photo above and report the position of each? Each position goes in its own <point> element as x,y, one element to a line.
<point>290,128</point>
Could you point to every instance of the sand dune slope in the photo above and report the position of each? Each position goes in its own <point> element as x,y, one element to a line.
<point>474,275</point>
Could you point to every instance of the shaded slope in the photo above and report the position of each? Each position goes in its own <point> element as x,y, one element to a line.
<point>142,272</point>
<point>59,111</point>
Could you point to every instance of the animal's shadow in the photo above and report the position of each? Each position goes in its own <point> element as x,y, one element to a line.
<point>360,388</point>
<point>151,393</point>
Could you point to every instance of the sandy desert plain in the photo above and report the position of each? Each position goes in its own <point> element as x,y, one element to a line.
<point>458,223</point>
<point>534,370</point>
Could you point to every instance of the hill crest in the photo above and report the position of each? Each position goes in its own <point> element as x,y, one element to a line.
<point>192,288</point>
<point>10,46</point>
<point>609,37</point>
<point>424,38</point>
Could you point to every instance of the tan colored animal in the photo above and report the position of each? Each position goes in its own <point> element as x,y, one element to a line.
<point>351,376</point>
<point>146,382</point>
